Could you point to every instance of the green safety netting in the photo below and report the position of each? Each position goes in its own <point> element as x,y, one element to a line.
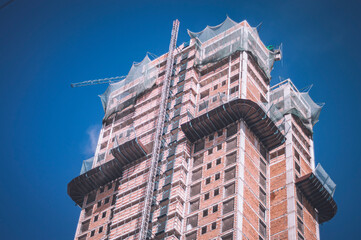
<point>285,98</point>
<point>241,38</point>
<point>114,101</point>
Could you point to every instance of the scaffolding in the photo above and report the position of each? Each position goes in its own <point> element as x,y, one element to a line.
<point>120,95</point>
<point>86,165</point>
<point>325,179</point>
<point>285,98</point>
<point>230,37</point>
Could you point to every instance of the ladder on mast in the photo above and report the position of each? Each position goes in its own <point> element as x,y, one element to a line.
<point>159,130</point>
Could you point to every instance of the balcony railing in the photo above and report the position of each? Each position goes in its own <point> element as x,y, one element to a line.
<point>238,109</point>
<point>318,188</point>
<point>96,177</point>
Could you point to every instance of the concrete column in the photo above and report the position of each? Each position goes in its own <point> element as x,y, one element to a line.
<point>197,102</point>
<point>244,74</point>
<point>287,97</point>
<point>290,183</point>
<point>187,193</point>
<point>240,75</point>
<point>77,231</point>
<point>313,166</point>
<point>268,196</point>
<point>312,154</point>
<point>240,180</point>
<point>110,138</point>
<point>96,152</point>
<point>317,228</point>
<point>229,77</point>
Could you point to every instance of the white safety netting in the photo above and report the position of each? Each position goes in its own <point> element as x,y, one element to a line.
<point>86,165</point>
<point>285,98</point>
<point>325,179</point>
<point>276,116</point>
<point>227,38</point>
<point>122,94</point>
<point>230,37</point>
<point>218,99</point>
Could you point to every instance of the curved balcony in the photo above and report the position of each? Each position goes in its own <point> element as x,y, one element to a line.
<point>129,151</point>
<point>318,188</point>
<point>99,176</point>
<point>220,117</point>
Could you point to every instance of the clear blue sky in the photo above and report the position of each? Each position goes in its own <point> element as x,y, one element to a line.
<point>47,127</point>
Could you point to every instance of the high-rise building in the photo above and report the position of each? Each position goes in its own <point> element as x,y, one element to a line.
<point>233,159</point>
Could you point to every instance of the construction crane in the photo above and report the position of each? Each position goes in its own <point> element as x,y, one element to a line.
<point>98,81</point>
<point>105,80</point>
<point>158,134</point>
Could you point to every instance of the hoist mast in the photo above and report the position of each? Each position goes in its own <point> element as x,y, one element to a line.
<point>159,132</point>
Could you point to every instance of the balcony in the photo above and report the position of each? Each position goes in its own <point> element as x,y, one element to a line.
<point>239,109</point>
<point>80,186</point>
<point>318,188</point>
<point>129,151</point>
<point>124,154</point>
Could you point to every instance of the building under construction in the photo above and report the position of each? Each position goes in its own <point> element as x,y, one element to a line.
<point>196,144</point>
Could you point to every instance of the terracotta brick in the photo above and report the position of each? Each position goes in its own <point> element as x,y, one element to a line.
<point>278,182</point>
<point>248,231</point>
<point>278,196</point>
<point>216,79</point>
<point>278,225</point>
<point>279,210</point>
<point>280,236</point>
<point>250,215</point>
<point>278,168</point>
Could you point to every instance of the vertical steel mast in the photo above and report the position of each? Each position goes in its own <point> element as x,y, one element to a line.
<point>158,134</point>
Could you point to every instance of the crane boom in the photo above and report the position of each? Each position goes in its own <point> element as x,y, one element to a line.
<point>98,81</point>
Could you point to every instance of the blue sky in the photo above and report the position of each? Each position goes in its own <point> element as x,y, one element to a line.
<point>48,128</point>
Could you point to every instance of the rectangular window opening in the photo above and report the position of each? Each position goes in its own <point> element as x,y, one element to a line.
<point>206,196</point>
<point>227,223</point>
<point>228,206</point>
<point>205,213</point>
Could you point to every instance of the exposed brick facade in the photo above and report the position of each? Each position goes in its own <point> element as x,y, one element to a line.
<point>226,185</point>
